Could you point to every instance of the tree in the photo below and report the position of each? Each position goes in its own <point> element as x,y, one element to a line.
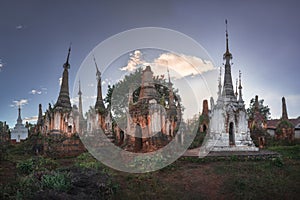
<point>117,95</point>
<point>263,110</point>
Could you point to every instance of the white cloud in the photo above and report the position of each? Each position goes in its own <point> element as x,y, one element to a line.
<point>181,65</point>
<point>34,91</point>
<point>40,91</point>
<point>1,65</point>
<point>134,61</point>
<point>91,85</point>
<point>90,97</point>
<point>32,119</point>
<point>19,27</point>
<point>60,81</point>
<point>74,100</point>
<point>21,103</point>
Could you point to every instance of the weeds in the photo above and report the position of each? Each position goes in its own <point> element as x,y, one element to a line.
<point>56,180</point>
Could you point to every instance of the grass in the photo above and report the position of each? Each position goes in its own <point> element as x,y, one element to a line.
<point>186,178</point>
<point>289,152</point>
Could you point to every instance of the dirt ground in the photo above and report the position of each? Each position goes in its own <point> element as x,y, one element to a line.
<point>190,178</point>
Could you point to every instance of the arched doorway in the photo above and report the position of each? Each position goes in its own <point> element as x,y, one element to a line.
<point>231,134</point>
<point>204,128</point>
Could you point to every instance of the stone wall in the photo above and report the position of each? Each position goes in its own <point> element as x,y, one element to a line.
<point>58,146</point>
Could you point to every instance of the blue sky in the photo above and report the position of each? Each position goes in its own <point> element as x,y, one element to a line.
<point>35,36</point>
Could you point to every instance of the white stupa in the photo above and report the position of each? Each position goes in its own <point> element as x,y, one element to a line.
<point>19,132</point>
<point>228,126</point>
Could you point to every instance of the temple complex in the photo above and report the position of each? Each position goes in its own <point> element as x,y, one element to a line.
<point>19,132</point>
<point>228,123</point>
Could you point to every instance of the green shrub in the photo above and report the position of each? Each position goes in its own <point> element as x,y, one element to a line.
<point>36,164</point>
<point>26,167</point>
<point>278,162</point>
<point>57,181</point>
<point>27,186</point>
<point>86,160</point>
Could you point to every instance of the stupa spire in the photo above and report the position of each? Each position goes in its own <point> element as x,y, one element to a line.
<point>99,102</point>
<point>220,84</point>
<point>236,87</point>
<point>63,100</point>
<point>284,110</point>
<point>240,88</point>
<point>80,100</point>
<point>227,86</point>
<point>40,116</point>
<point>19,120</point>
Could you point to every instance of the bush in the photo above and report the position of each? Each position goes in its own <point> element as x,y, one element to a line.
<point>278,162</point>
<point>36,164</point>
<point>25,167</point>
<point>57,181</point>
<point>27,186</point>
<point>86,160</point>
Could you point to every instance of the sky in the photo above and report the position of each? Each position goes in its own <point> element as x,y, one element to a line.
<point>35,36</point>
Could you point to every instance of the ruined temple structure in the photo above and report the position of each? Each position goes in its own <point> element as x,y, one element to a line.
<point>61,123</point>
<point>150,124</point>
<point>204,117</point>
<point>62,118</point>
<point>228,125</point>
<point>4,133</point>
<point>98,117</point>
<point>284,128</point>
<point>258,121</point>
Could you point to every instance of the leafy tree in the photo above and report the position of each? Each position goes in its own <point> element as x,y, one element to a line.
<point>263,110</point>
<point>117,95</point>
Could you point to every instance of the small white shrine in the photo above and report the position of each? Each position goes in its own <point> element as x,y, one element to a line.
<point>19,132</point>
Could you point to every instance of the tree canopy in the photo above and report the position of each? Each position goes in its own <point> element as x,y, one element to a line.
<point>263,110</point>
<point>118,94</point>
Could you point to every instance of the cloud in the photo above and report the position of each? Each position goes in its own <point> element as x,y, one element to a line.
<point>33,91</point>
<point>181,65</point>
<point>18,27</point>
<point>1,65</point>
<point>32,119</point>
<point>135,59</point>
<point>89,97</point>
<point>60,81</point>
<point>40,91</point>
<point>21,103</point>
<point>91,85</point>
<point>74,100</point>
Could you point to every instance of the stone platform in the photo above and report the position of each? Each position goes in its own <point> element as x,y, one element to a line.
<point>262,153</point>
